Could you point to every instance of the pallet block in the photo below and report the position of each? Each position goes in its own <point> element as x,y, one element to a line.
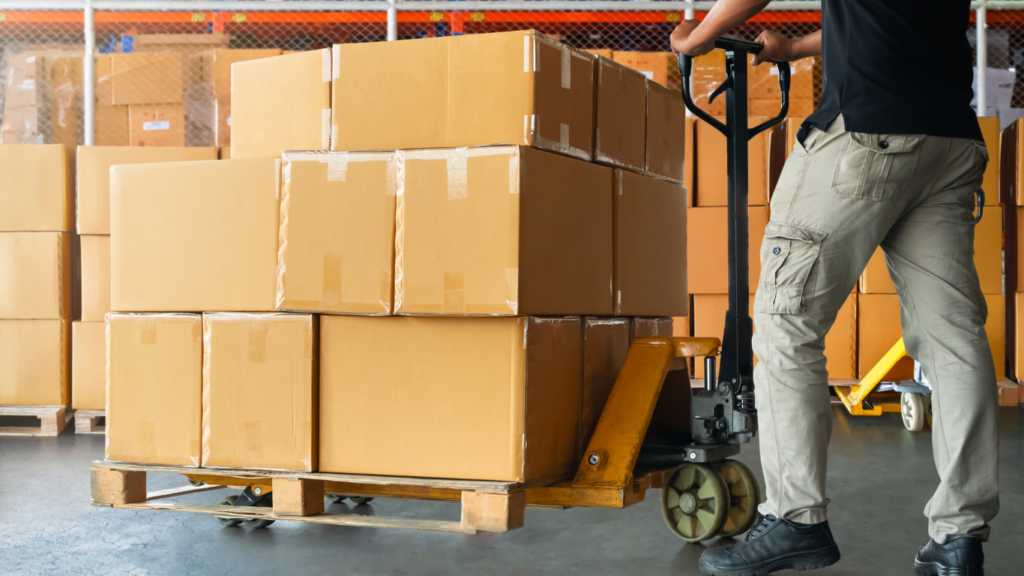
<point>52,420</point>
<point>87,422</point>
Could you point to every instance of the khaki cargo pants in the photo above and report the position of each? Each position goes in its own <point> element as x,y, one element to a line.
<point>840,196</point>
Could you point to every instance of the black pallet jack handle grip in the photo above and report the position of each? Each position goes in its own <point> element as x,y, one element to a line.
<point>746,47</point>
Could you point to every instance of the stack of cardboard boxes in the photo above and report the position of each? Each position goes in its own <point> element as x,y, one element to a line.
<point>36,275</point>
<point>41,89</point>
<point>454,302</point>
<point>212,71</point>
<point>147,91</point>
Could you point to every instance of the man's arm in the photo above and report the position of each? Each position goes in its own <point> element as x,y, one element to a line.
<point>695,38</point>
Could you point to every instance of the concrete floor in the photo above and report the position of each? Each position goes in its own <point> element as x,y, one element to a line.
<point>880,477</point>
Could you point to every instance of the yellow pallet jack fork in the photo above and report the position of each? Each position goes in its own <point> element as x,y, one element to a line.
<point>914,405</point>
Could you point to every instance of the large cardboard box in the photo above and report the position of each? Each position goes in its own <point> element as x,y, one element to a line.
<point>35,362</point>
<point>337,247</point>
<point>649,246</point>
<point>89,365</point>
<point>111,126</point>
<point>988,258</point>
<point>457,402</point>
<point>841,343</point>
<point>194,236</point>
<point>156,125</point>
<point>35,275</point>
<point>650,327</point>
<point>660,67</point>
<point>709,322</point>
<point>284,103</point>
<point>765,96</point>
<point>620,117</point>
<point>154,388</point>
<point>94,164</point>
<point>509,87</point>
<point>95,278</point>
<point>260,396</point>
<point>712,174</point>
<point>879,328</point>
<point>502,230</point>
<point>605,344</point>
<point>154,78</point>
<point>707,248</point>
<point>215,67</point>
<point>681,326</point>
<point>35,191</point>
<point>667,155</point>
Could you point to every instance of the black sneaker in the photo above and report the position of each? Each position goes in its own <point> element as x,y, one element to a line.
<point>773,544</point>
<point>961,556</point>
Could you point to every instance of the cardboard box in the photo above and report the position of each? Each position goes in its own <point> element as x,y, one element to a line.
<point>154,78</point>
<point>337,247</point>
<point>995,329</point>
<point>765,96</point>
<point>156,125</point>
<point>620,117</point>
<point>271,359</point>
<point>66,86</point>
<point>659,327</point>
<point>841,343</point>
<point>508,87</point>
<point>990,131</point>
<point>712,175</point>
<point>681,327</point>
<point>709,322</point>
<point>283,103</point>
<point>667,155</point>
<point>94,164</point>
<point>649,246</point>
<point>988,258</point>
<point>112,126</point>
<point>35,362</point>
<point>95,278</point>
<point>878,321</point>
<point>707,248</point>
<point>605,344</point>
<point>691,157</point>
<point>35,275</point>
<point>222,128</point>
<point>104,75</point>
<point>35,191</point>
<point>660,67</point>
<point>225,153</point>
<point>154,388</point>
<point>89,365</point>
<point>194,236</point>
<point>215,66</point>
<point>502,230</point>
<point>458,402</point>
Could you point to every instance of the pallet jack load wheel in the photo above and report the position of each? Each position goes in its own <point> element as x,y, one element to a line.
<point>257,523</point>
<point>744,497</point>
<point>694,502</point>
<point>228,522</point>
<point>335,498</point>
<point>357,500</point>
<point>928,412</point>
<point>912,411</point>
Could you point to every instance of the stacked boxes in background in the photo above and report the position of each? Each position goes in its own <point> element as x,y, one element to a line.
<point>880,325</point>
<point>40,90</point>
<point>152,87</point>
<point>213,69</point>
<point>88,381</point>
<point>480,242</point>
<point>37,271</point>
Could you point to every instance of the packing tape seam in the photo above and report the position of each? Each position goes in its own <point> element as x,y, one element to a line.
<point>337,167</point>
<point>566,68</point>
<point>457,174</point>
<point>282,235</point>
<point>336,61</point>
<point>400,158</point>
<point>206,400</point>
<point>454,293</point>
<point>325,64</point>
<point>325,128</point>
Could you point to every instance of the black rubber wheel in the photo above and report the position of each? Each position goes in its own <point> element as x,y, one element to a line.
<point>197,482</point>
<point>357,500</point>
<point>227,522</point>
<point>335,498</point>
<point>257,523</point>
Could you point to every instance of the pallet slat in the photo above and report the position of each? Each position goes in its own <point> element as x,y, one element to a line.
<point>52,420</point>
<point>86,422</point>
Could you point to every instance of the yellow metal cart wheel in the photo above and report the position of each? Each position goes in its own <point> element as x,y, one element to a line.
<point>694,502</point>
<point>744,496</point>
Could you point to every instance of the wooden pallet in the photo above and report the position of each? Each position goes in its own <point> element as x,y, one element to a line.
<point>52,420</point>
<point>299,496</point>
<point>86,422</point>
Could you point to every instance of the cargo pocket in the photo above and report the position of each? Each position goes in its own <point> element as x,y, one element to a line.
<point>788,254</point>
<point>974,170</point>
<point>876,167</point>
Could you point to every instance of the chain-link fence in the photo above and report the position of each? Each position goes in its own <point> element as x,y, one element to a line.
<point>167,63</point>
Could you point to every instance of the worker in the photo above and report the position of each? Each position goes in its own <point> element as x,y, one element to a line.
<point>891,157</point>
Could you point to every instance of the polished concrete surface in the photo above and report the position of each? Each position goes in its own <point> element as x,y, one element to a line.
<point>880,477</point>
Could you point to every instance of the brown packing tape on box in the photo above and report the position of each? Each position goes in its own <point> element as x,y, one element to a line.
<point>337,232</point>
<point>154,388</point>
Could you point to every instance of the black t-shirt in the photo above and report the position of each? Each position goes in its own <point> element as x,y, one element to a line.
<point>897,67</point>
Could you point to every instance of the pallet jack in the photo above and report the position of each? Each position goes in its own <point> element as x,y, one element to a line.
<point>641,442</point>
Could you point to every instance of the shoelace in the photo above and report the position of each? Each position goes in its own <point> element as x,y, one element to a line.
<point>764,522</point>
